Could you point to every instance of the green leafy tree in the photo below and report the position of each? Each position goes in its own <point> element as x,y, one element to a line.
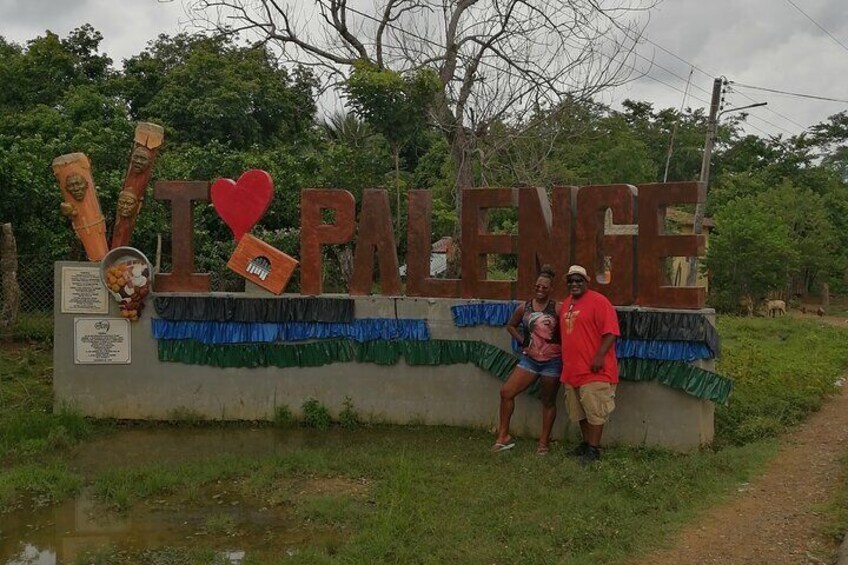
<point>656,129</point>
<point>396,105</point>
<point>57,98</point>
<point>750,253</point>
<point>204,89</point>
<point>813,237</point>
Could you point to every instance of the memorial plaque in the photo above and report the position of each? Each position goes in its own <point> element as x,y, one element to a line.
<point>101,341</point>
<point>82,291</point>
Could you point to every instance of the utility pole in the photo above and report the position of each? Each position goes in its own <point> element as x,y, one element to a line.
<point>698,220</point>
<point>712,126</point>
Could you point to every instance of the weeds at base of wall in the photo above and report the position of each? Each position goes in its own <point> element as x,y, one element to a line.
<point>316,415</point>
<point>283,417</point>
<point>185,416</point>
<point>348,417</point>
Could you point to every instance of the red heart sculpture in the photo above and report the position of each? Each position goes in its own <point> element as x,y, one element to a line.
<point>242,203</point>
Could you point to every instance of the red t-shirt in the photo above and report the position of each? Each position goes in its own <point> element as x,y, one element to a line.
<point>583,326</point>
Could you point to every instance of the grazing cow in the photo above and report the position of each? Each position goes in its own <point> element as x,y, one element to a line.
<point>775,307</point>
<point>746,305</point>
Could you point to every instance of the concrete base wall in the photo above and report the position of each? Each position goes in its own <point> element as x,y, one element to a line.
<point>462,395</point>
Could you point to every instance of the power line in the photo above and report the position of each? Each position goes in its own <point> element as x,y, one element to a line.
<point>676,124</point>
<point>672,73</point>
<point>711,75</point>
<point>624,64</point>
<point>775,112</point>
<point>505,71</point>
<point>830,35</point>
<point>798,94</point>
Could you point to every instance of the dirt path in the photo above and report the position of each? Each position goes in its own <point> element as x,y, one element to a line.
<point>774,519</point>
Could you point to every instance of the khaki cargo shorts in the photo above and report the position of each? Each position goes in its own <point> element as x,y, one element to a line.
<point>593,402</point>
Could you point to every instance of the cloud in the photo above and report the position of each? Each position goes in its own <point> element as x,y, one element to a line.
<point>126,25</point>
<point>758,42</point>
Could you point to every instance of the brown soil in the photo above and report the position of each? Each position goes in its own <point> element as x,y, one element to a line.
<point>337,486</point>
<point>777,517</point>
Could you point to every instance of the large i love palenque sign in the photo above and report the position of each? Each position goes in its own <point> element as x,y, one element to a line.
<point>567,228</point>
<point>195,346</point>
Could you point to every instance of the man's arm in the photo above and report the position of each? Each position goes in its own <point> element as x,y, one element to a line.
<point>598,362</point>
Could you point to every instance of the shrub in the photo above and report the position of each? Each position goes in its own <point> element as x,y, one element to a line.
<point>348,418</point>
<point>316,415</point>
<point>283,417</point>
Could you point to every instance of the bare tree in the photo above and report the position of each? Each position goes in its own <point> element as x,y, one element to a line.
<point>497,60</point>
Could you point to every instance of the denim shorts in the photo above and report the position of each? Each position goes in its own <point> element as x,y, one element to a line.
<point>551,368</point>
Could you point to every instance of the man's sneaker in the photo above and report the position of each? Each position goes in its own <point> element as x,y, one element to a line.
<point>590,455</point>
<point>579,450</point>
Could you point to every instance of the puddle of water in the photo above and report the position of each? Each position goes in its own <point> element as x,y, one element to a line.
<point>232,526</point>
<point>60,533</point>
<point>132,448</point>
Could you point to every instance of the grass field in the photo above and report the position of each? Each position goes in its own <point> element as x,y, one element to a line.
<point>431,494</point>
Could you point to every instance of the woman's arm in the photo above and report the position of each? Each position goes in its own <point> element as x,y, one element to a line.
<point>513,323</point>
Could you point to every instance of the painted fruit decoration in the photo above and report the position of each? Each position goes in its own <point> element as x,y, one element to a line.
<point>126,273</point>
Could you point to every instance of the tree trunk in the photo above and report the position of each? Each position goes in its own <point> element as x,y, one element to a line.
<point>345,259</point>
<point>10,293</point>
<point>462,162</point>
<point>396,157</point>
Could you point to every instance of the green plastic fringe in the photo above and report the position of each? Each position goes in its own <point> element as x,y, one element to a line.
<point>677,374</point>
<point>495,361</point>
<point>315,354</point>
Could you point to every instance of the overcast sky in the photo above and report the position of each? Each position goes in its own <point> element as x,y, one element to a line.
<point>765,43</point>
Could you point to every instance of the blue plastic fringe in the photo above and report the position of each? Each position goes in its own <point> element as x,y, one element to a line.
<point>361,330</point>
<point>662,350</point>
<point>240,308</point>
<point>483,314</point>
<point>639,326</point>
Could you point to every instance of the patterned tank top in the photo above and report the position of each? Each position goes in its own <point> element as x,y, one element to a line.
<point>541,332</point>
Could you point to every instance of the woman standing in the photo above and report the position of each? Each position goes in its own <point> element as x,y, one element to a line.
<point>541,357</point>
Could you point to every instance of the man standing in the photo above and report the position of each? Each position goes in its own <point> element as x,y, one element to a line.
<point>589,326</point>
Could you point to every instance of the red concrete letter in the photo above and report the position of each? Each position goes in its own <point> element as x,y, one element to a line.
<point>375,236</point>
<point>594,244</point>
<point>182,277</point>
<point>544,237</point>
<point>418,245</point>
<point>314,232</point>
<point>477,243</point>
<point>654,246</point>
